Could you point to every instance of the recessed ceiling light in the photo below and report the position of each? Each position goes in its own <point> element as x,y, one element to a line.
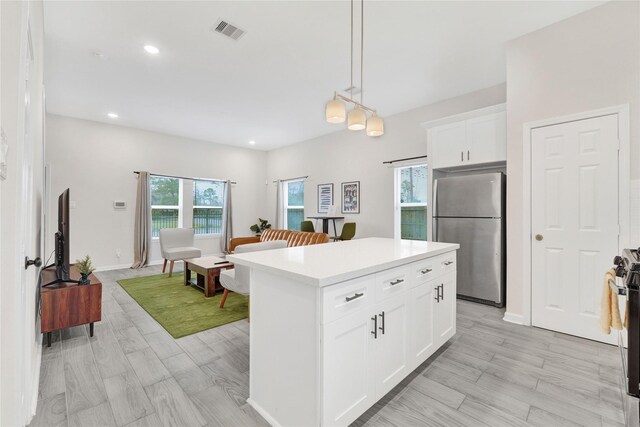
<point>151,49</point>
<point>112,115</point>
<point>252,142</point>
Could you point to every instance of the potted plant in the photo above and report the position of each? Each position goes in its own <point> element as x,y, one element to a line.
<point>258,229</point>
<point>85,268</point>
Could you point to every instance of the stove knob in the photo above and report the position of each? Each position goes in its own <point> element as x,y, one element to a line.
<point>617,260</point>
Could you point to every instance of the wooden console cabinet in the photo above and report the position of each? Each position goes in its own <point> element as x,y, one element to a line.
<point>64,305</point>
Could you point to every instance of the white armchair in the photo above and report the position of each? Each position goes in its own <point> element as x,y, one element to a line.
<point>177,244</point>
<point>237,279</point>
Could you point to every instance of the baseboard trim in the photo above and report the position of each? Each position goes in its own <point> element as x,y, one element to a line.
<point>518,319</point>
<point>155,262</point>
<point>259,409</point>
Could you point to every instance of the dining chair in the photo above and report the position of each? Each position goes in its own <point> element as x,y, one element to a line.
<point>347,233</point>
<point>307,226</point>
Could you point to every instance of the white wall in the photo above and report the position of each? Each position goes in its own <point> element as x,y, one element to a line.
<point>586,62</point>
<point>20,336</point>
<point>353,156</point>
<point>96,161</point>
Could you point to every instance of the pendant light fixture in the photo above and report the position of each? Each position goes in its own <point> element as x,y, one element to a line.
<point>335,110</point>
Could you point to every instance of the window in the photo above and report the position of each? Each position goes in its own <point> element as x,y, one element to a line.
<point>165,203</point>
<point>293,204</point>
<point>207,206</point>
<point>411,194</point>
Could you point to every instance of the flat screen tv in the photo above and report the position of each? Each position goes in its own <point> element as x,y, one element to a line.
<point>62,237</point>
<point>62,263</point>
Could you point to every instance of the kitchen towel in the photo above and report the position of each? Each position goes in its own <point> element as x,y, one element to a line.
<point>609,310</point>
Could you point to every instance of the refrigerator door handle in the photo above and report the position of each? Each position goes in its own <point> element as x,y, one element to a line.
<point>435,211</point>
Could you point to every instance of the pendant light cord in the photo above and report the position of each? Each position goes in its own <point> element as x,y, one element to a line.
<point>351,85</point>
<point>361,50</point>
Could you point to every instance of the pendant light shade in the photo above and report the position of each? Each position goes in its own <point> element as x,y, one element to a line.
<point>357,119</point>
<point>335,111</point>
<point>375,126</point>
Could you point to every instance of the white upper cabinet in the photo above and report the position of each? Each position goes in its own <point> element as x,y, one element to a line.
<point>474,141</point>
<point>449,144</point>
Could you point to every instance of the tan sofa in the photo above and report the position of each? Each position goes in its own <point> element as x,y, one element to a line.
<point>293,238</point>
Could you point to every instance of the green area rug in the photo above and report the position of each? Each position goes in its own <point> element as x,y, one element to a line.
<point>183,310</point>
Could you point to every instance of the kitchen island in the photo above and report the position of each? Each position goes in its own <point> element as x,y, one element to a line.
<point>335,327</point>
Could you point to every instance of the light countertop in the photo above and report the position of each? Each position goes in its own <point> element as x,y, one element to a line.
<point>326,264</point>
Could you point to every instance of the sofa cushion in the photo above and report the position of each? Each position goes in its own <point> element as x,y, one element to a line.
<point>294,238</point>
<point>261,246</point>
<point>184,252</point>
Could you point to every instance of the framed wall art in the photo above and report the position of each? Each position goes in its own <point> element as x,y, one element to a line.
<point>351,197</point>
<point>325,197</point>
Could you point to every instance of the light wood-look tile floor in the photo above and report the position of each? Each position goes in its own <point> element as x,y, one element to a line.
<point>133,373</point>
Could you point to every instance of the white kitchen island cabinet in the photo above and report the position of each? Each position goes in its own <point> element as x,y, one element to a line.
<point>335,327</point>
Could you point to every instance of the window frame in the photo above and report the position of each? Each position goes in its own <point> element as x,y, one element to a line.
<point>398,205</point>
<point>285,202</point>
<point>177,207</point>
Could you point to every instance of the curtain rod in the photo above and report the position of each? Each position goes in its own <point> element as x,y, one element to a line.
<point>388,162</point>
<point>292,179</point>
<point>186,177</point>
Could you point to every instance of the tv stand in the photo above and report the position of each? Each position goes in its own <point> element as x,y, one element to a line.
<point>67,303</point>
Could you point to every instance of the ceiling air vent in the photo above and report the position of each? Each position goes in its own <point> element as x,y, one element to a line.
<point>229,30</point>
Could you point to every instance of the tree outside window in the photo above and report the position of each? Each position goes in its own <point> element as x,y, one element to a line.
<point>165,203</point>
<point>207,206</point>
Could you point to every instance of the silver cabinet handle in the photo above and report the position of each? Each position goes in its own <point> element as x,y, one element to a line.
<point>462,156</point>
<point>448,262</point>
<point>375,326</point>
<point>426,270</point>
<point>437,289</point>
<point>468,155</point>
<point>441,291</point>
<point>396,282</point>
<point>382,327</point>
<point>355,296</point>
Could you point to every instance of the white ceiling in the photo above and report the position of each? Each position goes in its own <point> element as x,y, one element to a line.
<point>271,85</point>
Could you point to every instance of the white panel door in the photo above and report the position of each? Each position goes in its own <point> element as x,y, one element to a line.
<point>391,344</point>
<point>348,365</point>
<point>421,303</point>
<point>445,307</point>
<point>574,222</point>
<point>448,145</point>
<point>487,139</point>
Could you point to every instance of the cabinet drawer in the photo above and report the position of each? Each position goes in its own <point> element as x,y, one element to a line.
<point>346,298</point>
<point>447,262</point>
<point>392,282</point>
<point>426,270</point>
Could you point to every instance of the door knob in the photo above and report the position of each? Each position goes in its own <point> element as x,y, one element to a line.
<point>29,262</point>
<point>539,237</point>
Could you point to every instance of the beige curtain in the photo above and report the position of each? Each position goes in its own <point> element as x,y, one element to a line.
<point>142,226</point>
<point>279,205</point>
<point>227,223</point>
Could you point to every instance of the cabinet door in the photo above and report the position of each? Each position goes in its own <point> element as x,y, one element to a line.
<point>487,139</point>
<point>448,145</point>
<point>445,308</point>
<point>349,388</point>
<point>421,327</point>
<point>392,344</point>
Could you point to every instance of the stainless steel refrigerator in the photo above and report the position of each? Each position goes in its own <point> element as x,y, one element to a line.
<point>470,210</point>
